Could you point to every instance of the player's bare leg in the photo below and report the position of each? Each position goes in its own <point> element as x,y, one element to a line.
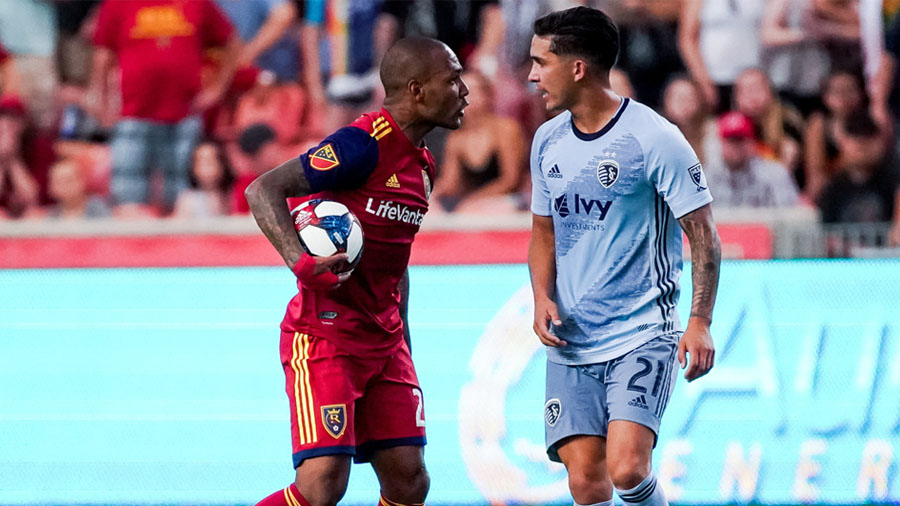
<point>628,448</point>
<point>402,474</point>
<point>323,480</point>
<point>320,481</point>
<point>585,458</point>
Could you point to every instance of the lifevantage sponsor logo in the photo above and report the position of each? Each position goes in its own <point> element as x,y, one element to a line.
<point>394,211</point>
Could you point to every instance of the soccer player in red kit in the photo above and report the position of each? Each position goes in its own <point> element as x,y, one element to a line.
<point>349,375</point>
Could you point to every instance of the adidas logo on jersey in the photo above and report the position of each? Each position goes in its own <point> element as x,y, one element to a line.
<point>639,402</point>
<point>392,182</point>
<point>554,172</point>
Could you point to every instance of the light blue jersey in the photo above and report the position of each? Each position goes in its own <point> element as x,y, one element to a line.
<point>615,196</point>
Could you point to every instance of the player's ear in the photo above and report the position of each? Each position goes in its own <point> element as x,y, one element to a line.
<point>416,89</point>
<point>579,70</point>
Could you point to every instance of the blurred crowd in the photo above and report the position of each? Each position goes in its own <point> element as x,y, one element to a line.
<point>169,108</point>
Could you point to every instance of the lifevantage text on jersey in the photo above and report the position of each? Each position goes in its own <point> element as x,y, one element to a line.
<point>395,211</point>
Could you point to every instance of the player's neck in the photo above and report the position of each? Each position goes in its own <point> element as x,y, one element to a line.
<point>413,128</point>
<point>595,107</point>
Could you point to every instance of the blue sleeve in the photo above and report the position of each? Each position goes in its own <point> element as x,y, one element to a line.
<point>540,193</point>
<point>676,173</point>
<point>343,160</point>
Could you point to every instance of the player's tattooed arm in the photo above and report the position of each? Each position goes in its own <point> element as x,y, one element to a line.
<point>267,195</point>
<point>403,288</point>
<point>706,254</point>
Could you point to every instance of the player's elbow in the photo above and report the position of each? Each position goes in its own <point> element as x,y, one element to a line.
<point>254,192</point>
<point>251,192</point>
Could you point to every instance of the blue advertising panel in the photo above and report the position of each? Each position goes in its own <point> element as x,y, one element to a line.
<point>164,386</point>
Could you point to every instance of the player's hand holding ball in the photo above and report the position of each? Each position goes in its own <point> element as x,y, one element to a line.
<point>332,239</point>
<point>322,273</point>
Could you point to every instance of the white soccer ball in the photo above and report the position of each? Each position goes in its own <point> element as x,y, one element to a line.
<point>326,227</point>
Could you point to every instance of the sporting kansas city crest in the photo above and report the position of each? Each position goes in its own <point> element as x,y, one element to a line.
<point>552,410</point>
<point>608,172</point>
<point>334,418</point>
<point>697,177</point>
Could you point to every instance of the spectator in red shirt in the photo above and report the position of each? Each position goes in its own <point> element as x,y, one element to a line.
<point>159,45</point>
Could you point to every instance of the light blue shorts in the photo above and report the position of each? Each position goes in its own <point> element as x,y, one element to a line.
<point>583,399</point>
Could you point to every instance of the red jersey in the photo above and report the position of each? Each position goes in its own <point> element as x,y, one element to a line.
<point>160,46</point>
<point>372,168</point>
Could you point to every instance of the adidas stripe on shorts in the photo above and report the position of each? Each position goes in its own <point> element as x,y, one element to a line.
<point>583,399</point>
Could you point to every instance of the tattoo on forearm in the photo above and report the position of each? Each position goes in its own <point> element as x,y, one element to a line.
<point>267,203</point>
<point>706,254</point>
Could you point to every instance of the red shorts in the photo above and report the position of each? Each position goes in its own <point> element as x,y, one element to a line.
<point>342,404</point>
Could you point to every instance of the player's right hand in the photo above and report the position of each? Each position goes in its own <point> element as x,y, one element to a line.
<point>545,312</point>
<point>319,273</point>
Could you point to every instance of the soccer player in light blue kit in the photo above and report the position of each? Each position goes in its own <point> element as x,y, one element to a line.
<point>612,182</point>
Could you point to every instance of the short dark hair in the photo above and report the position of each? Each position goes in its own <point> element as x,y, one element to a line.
<point>581,31</point>
<point>860,125</point>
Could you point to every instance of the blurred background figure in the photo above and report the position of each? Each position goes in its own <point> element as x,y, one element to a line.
<point>343,34</point>
<point>257,151</point>
<point>279,66</point>
<point>28,30</point>
<point>9,77</point>
<point>795,59</point>
<point>483,161</point>
<point>19,192</point>
<point>648,35</point>
<point>282,106</point>
<point>718,40</point>
<point>159,48</point>
<point>864,188</point>
<point>69,190</point>
<point>210,191</point>
<point>742,178</point>
<point>683,105</point>
<point>837,24</point>
<point>778,127</point>
<point>269,34</point>
<point>842,96</point>
<point>122,87</point>
<point>885,93</point>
